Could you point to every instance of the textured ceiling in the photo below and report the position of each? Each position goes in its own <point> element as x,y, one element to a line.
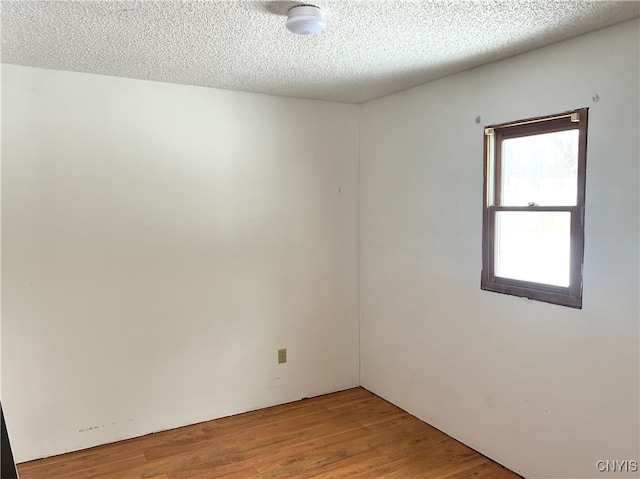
<point>369,49</point>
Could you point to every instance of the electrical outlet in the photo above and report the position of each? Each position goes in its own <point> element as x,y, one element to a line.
<point>282,356</point>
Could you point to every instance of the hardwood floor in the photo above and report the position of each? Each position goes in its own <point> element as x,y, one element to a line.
<point>350,434</point>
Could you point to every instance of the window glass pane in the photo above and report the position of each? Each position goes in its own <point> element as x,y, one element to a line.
<point>540,169</point>
<point>533,246</point>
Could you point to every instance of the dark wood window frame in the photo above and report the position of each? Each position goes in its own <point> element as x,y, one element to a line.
<point>494,135</point>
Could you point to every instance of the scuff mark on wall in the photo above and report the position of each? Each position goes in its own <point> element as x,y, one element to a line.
<point>90,428</point>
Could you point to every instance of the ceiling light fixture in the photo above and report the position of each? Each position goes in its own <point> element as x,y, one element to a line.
<point>306,20</point>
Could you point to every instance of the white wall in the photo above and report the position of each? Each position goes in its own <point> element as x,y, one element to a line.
<point>160,243</point>
<point>545,390</point>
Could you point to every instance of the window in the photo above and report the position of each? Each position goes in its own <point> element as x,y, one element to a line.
<point>533,221</point>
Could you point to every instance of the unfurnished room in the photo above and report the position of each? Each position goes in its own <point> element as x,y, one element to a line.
<point>340,239</point>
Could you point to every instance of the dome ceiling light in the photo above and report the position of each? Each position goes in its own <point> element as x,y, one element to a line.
<point>306,20</point>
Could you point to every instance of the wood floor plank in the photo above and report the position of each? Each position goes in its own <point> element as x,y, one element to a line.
<point>350,434</point>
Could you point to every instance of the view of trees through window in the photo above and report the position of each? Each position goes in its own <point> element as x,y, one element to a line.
<point>537,170</point>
